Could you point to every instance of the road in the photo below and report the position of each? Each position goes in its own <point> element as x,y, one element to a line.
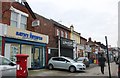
<point>94,70</point>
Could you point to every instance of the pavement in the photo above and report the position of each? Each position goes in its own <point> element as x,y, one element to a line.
<point>44,71</point>
<point>91,72</point>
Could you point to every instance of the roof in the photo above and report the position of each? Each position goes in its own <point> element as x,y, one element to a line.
<point>29,9</point>
<point>59,25</point>
<point>75,32</point>
<point>83,38</point>
<point>37,16</point>
<point>101,45</point>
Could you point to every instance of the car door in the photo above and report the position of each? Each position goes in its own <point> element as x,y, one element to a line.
<point>64,64</point>
<point>7,68</point>
<point>56,62</point>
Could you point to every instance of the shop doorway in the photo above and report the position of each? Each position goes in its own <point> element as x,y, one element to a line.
<point>37,58</point>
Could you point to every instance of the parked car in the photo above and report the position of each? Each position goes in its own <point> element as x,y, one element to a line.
<point>7,68</point>
<point>65,63</point>
<point>84,60</point>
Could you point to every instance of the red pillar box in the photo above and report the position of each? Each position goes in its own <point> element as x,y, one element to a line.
<point>22,71</point>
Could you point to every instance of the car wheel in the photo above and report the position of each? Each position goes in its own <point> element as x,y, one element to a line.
<point>72,69</point>
<point>50,66</point>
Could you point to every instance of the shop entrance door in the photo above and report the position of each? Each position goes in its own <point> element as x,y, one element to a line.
<point>37,57</point>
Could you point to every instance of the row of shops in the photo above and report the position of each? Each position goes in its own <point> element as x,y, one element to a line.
<point>17,41</point>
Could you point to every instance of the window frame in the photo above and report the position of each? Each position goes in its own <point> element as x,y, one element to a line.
<point>20,14</point>
<point>58,32</point>
<point>66,35</point>
<point>62,33</point>
<point>14,20</point>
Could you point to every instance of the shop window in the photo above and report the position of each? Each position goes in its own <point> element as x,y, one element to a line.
<point>14,52</point>
<point>15,49</point>
<point>5,61</point>
<point>18,19</point>
<point>11,49</point>
<point>27,49</point>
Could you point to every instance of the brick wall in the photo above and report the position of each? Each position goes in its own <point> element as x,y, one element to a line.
<point>83,41</point>
<point>6,13</point>
<point>49,28</point>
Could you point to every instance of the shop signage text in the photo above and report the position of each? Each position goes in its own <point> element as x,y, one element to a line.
<point>28,36</point>
<point>66,43</point>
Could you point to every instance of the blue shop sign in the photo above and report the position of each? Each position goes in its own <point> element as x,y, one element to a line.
<point>28,36</point>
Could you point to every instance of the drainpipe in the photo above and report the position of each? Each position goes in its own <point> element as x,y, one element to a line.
<point>59,45</point>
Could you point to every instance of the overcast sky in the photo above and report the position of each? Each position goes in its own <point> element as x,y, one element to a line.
<point>91,18</point>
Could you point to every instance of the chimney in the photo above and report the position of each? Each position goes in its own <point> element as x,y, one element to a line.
<point>72,28</point>
<point>89,39</point>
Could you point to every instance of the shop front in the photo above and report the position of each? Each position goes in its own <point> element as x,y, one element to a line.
<point>66,48</point>
<point>17,41</point>
<point>81,50</point>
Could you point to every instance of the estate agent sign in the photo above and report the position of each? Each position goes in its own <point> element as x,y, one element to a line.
<point>14,32</point>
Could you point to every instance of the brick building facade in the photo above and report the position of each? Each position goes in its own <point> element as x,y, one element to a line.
<point>53,29</point>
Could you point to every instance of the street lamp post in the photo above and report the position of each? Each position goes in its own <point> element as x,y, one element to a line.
<point>108,57</point>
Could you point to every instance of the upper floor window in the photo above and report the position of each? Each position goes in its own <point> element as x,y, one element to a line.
<point>62,34</point>
<point>58,32</point>
<point>18,19</point>
<point>14,19</point>
<point>66,35</point>
<point>23,22</point>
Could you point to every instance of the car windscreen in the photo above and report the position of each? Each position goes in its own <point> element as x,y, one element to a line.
<point>80,59</point>
<point>71,60</point>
